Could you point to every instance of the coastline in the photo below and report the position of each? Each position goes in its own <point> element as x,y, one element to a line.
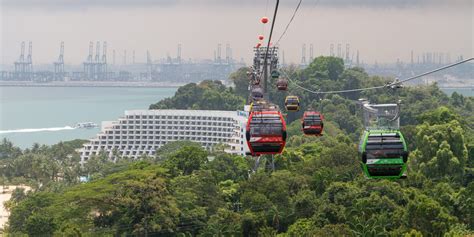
<point>90,84</point>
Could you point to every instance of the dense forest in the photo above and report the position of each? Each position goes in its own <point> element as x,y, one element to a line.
<point>314,188</point>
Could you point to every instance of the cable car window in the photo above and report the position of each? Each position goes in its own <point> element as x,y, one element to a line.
<point>312,120</point>
<point>267,124</point>
<point>377,150</point>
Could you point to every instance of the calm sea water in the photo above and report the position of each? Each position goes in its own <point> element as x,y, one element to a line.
<point>51,109</point>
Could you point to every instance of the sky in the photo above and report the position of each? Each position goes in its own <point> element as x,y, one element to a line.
<point>381,30</point>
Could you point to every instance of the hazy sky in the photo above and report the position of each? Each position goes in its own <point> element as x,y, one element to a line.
<point>382,30</point>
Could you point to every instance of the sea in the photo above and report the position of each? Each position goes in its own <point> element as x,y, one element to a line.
<point>47,115</point>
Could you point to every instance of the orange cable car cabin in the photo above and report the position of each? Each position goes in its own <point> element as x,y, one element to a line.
<point>266,132</point>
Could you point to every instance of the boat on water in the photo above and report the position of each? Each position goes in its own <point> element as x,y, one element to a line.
<point>87,125</point>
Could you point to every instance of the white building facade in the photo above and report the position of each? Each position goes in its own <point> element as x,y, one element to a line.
<point>142,132</point>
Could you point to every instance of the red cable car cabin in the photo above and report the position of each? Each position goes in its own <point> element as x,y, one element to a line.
<point>266,132</point>
<point>312,123</point>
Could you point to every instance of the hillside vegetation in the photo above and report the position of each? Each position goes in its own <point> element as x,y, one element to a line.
<point>316,188</point>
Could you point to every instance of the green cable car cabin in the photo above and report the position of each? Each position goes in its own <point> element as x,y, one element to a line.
<point>384,154</point>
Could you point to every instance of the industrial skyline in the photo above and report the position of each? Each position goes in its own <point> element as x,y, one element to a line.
<point>102,65</point>
<point>383,31</point>
<point>307,54</point>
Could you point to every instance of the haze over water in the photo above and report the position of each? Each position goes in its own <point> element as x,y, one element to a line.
<point>49,110</point>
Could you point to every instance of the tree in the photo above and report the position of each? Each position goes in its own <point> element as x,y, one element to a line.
<point>208,95</point>
<point>427,216</point>
<point>223,223</point>
<point>137,197</point>
<point>96,164</point>
<point>353,78</point>
<point>186,160</point>
<point>331,230</point>
<point>18,194</point>
<point>167,150</point>
<point>39,225</point>
<point>441,150</point>
<point>8,151</point>
<point>323,66</point>
<point>228,167</point>
<point>241,81</point>
<point>441,115</point>
<point>302,227</point>
<point>28,216</point>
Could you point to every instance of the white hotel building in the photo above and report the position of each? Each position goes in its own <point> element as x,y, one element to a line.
<point>142,132</point>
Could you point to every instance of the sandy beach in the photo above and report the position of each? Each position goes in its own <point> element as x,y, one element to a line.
<point>5,194</point>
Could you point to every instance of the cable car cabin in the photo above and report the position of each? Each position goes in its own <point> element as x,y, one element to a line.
<point>312,123</point>
<point>282,84</point>
<point>292,103</point>
<point>257,93</point>
<point>266,132</point>
<point>384,154</point>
